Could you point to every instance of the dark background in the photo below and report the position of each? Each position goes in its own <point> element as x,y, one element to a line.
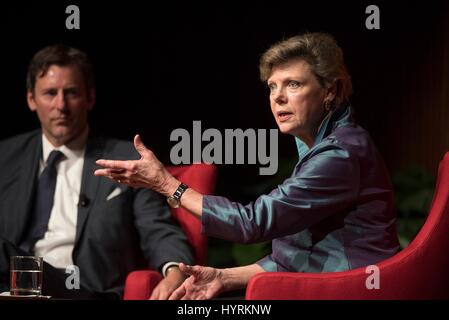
<point>160,66</point>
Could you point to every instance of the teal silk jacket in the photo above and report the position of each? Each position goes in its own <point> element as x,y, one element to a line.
<point>336,211</point>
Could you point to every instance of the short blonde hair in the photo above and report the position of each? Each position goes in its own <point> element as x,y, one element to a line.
<point>321,52</point>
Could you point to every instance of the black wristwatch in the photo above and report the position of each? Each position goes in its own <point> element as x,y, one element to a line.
<point>175,200</point>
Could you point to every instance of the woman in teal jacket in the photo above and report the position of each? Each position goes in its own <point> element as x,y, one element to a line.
<point>334,213</point>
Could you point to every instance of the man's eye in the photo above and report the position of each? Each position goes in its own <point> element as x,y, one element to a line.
<point>71,92</point>
<point>272,87</point>
<point>51,93</point>
<point>294,84</point>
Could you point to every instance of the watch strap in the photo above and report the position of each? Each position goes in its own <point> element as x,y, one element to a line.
<point>180,190</point>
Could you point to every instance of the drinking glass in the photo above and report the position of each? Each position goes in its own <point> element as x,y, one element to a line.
<point>26,275</point>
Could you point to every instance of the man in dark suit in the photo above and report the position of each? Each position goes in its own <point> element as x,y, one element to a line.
<point>98,228</point>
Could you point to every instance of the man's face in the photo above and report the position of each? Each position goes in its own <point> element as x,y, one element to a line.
<point>62,101</point>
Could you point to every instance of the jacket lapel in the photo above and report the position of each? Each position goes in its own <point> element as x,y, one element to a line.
<point>26,187</point>
<point>89,183</point>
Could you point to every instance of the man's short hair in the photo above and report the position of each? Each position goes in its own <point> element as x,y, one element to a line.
<point>60,55</point>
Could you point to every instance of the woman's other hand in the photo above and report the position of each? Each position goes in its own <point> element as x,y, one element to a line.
<point>203,283</point>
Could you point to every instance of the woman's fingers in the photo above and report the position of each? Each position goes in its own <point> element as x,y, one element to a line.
<point>190,270</point>
<point>102,172</point>
<point>127,167</point>
<point>140,147</point>
<point>111,164</point>
<point>183,267</point>
<point>109,172</point>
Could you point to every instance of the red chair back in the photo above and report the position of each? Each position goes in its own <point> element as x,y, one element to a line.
<point>201,177</point>
<point>421,269</point>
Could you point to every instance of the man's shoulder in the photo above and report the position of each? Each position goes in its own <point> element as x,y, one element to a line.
<point>117,148</point>
<point>23,138</point>
<point>14,149</point>
<point>19,143</point>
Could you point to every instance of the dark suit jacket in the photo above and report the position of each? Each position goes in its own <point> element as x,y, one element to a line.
<point>130,231</point>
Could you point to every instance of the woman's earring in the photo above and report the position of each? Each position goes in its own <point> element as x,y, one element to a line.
<point>327,105</point>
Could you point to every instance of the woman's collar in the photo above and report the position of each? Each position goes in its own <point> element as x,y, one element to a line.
<point>338,116</point>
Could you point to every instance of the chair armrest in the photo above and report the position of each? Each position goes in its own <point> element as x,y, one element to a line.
<point>310,286</point>
<point>140,284</point>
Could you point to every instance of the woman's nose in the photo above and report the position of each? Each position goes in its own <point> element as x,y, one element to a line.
<point>279,96</point>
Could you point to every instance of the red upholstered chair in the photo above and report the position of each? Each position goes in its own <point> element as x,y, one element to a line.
<point>420,271</point>
<point>201,177</point>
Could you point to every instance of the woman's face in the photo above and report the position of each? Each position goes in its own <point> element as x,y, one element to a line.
<point>297,99</point>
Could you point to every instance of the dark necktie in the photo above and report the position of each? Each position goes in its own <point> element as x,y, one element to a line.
<point>44,201</point>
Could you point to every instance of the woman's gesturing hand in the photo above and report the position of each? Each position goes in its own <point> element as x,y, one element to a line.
<point>146,172</point>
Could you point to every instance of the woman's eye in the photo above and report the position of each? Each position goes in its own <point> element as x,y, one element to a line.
<point>294,84</point>
<point>272,87</point>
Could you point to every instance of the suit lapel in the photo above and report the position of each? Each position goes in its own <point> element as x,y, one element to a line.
<point>26,188</point>
<point>89,183</point>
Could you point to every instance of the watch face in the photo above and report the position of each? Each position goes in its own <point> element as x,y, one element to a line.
<point>173,202</point>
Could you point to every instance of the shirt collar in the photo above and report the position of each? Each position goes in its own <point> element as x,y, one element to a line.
<point>338,117</point>
<point>73,150</point>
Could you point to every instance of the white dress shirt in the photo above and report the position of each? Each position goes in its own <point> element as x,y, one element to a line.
<point>57,245</point>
